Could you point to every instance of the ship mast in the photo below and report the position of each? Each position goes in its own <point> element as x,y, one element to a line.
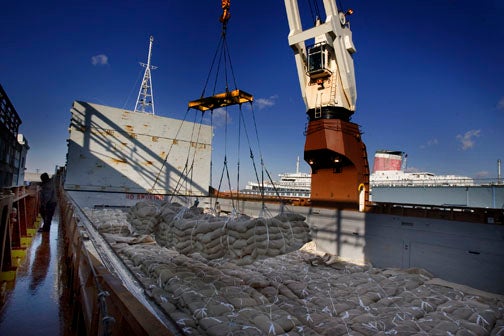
<point>499,180</point>
<point>145,98</point>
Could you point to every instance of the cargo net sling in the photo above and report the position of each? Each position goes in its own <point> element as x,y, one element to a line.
<point>235,237</point>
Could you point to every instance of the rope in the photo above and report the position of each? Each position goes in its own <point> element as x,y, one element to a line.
<point>184,172</point>
<point>211,159</point>
<point>263,166</point>
<point>222,51</point>
<point>225,166</point>
<point>260,155</point>
<point>239,145</point>
<point>133,88</point>
<point>228,54</point>
<point>169,151</point>
<point>186,175</point>
<point>221,58</point>
<point>314,9</point>
<point>211,68</point>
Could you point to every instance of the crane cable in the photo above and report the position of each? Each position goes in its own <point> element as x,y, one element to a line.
<point>225,165</point>
<point>314,10</point>
<point>222,47</point>
<point>263,168</point>
<point>156,180</point>
<point>187,172</point>
<point>187,169</point>
<point>222,51</point>
<point>222,56</point>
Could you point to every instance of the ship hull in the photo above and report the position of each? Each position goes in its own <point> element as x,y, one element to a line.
<point>479,196</point>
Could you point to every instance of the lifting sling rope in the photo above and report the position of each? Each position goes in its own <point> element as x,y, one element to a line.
<point>185,172</point>
<point>224,49</point>
<point>210,103</point>
<point>225,57</point>
<point>216,101</point>
<point>230,98</point>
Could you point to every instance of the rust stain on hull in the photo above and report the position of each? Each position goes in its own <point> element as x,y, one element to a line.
<point>114,160</point>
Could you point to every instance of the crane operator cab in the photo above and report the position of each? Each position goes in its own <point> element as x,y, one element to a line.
<point>318,60</point>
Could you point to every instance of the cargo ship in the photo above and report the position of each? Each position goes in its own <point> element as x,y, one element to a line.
<point>391,183</point>
<point>112,272</point>
<point>389,169</point>
<point>393,269</point>
<point>291,185</point>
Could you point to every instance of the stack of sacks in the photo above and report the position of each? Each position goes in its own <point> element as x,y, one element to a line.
<point>266,237</point>
<point>243,239</point>
<point>167,213</point>
<point>112,221</point>
<point>203,234</point>
<point>144,217</point>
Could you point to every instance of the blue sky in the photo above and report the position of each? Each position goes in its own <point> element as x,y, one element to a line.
<point>430,74</point>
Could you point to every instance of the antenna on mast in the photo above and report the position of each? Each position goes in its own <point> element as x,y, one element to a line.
<point>145,98</point>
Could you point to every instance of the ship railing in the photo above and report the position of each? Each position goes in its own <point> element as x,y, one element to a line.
<point>18,225</point>
<point>99,299</point>
<point>455,213</point>
<point>437,182</point>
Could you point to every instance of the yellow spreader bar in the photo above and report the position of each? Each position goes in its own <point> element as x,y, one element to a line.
<point>221,99</point>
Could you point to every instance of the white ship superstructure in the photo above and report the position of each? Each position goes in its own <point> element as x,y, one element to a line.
<point>389,170</point>
<point>296,184</point>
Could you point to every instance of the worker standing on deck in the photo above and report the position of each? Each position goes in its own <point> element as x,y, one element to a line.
<point>47,201</point>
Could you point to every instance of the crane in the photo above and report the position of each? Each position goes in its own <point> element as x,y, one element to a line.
<point>334,148</point>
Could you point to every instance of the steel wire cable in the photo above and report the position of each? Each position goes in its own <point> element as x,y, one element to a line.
<point>169,151</point>
<point>187,173</point>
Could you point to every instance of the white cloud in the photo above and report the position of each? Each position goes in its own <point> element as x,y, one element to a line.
<point>430,143</point>
<point>99,59</point>
<point>500,104</point>
<point>468,139</point>
<point>265,102</point>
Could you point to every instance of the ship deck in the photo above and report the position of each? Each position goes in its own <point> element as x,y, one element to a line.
<point>40,299</point>
<point>36,303</point>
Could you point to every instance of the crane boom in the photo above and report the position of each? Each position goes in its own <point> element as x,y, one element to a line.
<point>325,69</point>
<point>334,148</point>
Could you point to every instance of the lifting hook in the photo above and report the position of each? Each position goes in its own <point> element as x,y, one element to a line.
<point>224,18</point>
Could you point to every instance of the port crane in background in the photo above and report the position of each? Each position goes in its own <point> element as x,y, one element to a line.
<point>334,148</point>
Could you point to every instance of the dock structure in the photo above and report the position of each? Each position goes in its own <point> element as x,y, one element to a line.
<point>18,203</point>
<point>13,145</point>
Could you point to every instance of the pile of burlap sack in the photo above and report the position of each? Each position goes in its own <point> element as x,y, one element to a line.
<point>109,220</point>
<point>241,238</point>
<point>299,294</point>
<point>296,293</point>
